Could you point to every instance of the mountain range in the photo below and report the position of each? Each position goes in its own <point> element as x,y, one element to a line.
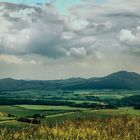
<point>117,80</point>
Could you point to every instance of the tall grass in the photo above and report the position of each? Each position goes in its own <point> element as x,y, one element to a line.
<point>115,128</point>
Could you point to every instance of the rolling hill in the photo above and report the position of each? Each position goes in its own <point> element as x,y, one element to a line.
<point>118,80</point>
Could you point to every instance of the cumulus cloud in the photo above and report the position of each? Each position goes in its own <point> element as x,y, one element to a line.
<point>37,30</point>
<point>131,41</point>
<point>126,35</point>
<point>92,32</point>
<point>43,30</point>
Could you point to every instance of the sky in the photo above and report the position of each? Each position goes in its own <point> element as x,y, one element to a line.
<point>61,5</point>
<point>57,39</point>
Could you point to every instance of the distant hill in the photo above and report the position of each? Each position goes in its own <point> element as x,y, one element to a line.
<point>118,80</point>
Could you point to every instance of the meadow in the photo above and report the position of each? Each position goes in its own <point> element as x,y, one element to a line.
<point>57,114</point>
<point>69,114</point>
<point>115,128</point>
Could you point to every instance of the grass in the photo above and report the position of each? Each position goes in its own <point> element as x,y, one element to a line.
<point>120,111</point>
<point>55,111</point>
<point>4,118</point>
<point>130,111</point>
<point>26,110</point>
<point>13,124</point>
<point>89,114</point>
<point>115,128</point>
<point>17,111</point>
<point>90,124</point>
<point>46,107</point>
<point>32,109</point>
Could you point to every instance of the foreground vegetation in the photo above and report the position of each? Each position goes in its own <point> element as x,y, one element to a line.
<point>115,128</point>
<point>87,114</point>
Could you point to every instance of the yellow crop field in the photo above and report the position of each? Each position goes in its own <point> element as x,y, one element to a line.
<point>115,128</point>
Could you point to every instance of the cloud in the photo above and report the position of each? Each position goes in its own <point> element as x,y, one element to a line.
<point>76,24</point>
<point>77,52</point>
<point>126,35</point>
<point>104,35</point>
<point>11,59</point>
<point>36,31</point>
<point>131,41</point>
<point>43,31</point>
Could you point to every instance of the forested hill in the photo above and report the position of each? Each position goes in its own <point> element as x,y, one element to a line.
<point>118,80</point>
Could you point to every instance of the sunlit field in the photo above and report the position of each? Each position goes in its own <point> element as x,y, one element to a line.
<point>115,128</point>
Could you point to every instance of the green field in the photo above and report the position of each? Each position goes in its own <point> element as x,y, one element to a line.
<point>68,95</point>
<point>57,117</point>
<point>13,124</point>
<point>120,111</point>
<point>71,105</point>
<point>46,107</point>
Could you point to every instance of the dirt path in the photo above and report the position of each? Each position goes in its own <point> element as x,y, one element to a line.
<point>59,114</point>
